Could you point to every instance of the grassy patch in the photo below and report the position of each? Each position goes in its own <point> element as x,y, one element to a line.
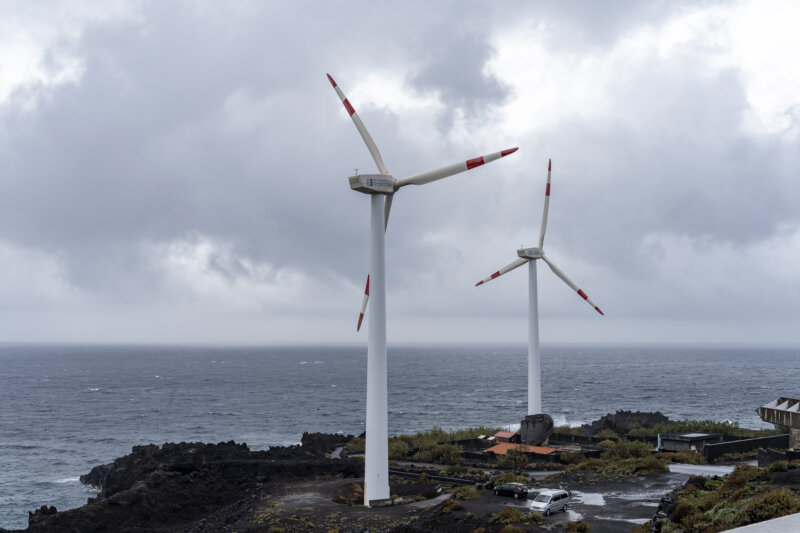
<point>508,477</point>
<point>466,493</point>
<point>580,526</point>
<point>440,453</point>
<point>450,505</point>
<point>738,499</point>
<point>703,426</point>
<point>683,456</point>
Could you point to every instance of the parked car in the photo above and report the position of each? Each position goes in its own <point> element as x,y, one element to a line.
<point>550,501</point>
<point>517,490</point>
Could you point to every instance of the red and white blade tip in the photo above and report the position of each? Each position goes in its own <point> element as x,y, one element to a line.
<point>549,161</point>
<point>509,151</point>
<point>331,80</point>
<point>478,161</point>
<point>360,319</point>
<point>586,297</point>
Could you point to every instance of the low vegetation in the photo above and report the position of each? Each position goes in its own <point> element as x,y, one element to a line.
<point>451,505</point>
<point>515,458</point>
<point>620,459</point>
<point>502,479</point>
<point>745,496</point>
<point>704,426</point>
<point>441,454</point>
<point>512,515</point>
<point>465,493</point>
<point>580,526</point>
<point>683,456</point>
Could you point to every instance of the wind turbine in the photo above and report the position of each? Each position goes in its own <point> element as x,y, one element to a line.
<point>530,255</point>
<point>378,186</point>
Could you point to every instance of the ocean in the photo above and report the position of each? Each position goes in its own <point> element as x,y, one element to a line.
<point>65,409</point>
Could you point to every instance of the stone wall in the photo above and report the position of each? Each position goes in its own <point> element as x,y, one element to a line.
<point>712,451</point>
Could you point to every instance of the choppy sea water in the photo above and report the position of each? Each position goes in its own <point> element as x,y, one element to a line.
<point>65,409</point>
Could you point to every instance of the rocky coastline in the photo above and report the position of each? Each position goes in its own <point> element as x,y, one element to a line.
<point>189,486</point>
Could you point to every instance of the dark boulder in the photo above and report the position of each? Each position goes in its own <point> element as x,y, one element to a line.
<point>535,429</point>
<point>320,444</point>
<point>624,421</point>
<point>40,515</point>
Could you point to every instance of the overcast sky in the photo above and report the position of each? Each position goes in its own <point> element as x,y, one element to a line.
<point>177,171</point>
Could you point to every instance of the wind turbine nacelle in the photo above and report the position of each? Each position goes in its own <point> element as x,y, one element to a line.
<point>531,253</point>
<point>372,183</point>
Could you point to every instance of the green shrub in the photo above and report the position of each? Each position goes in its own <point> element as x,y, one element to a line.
<point>627,450</point>
<point>740,477</point>
<point>639,466</point>
<point>607,434</point>
<point>451,505</point>
<point>455,469</point>
<point>438,435</point>
<point>512,529</point>
<point>398,448</point>
<point>515,458</point>
<point>589,464</point>
<point>683,456</point>
<point>702,426</point>
<point>606,443</point>
<point>778,466</point>
<point>441,453</point>
<point>508,477</point>
<point>578,527</point>
<point>466,493</point>
<point>357,445</point>
<point>510,515</point>
<point>569,458</point>
<point>771,503</point>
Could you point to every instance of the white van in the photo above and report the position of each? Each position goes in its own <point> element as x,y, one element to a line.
<point>550,501</point>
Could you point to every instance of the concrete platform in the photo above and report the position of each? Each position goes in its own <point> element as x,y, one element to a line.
<point>784,523</point>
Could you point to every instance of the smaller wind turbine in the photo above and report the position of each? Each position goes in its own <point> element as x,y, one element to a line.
<point>530,255</point>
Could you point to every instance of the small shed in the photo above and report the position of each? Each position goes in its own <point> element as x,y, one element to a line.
<point>506,436</point>
<point>675,442</point>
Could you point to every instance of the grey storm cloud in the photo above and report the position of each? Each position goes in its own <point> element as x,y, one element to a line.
<point>192,168</point>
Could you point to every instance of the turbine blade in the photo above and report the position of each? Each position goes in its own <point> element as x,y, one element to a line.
<point>363,305</point>
<point>439,173</point>
<point>546,205</point>
<point>387,208</point>
<point>507,268</point>
<point>569,282</point>
<point>373,148</point>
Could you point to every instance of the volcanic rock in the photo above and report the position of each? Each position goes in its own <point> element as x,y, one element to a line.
<point>623,421</point>
<point>535,429</point>
<point>174,486</point>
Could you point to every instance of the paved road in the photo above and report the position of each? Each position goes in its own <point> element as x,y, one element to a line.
<point>702,470</point>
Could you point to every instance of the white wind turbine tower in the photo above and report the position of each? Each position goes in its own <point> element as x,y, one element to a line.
<point>530,255</point>
<point>378,186</point>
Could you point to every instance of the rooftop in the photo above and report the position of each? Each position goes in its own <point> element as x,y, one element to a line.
<point>502,448</point>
